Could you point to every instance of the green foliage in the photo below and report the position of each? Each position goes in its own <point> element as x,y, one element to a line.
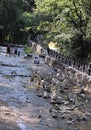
<point>15,22</point>
<point>66,23</point>
<point>9,14</point>
<point>28,50</point>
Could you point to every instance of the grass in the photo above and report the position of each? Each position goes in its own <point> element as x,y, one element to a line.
<point>28,50</point>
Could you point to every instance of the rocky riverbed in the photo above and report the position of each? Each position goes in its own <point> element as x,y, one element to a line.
<point>29,99</point>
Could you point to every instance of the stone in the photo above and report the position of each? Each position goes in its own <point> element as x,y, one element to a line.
<point>52,62</point>
<point>84,118</point>
<point>34,45</point>
<point>70,97</point>
<point>76,128</point>
<point>66,102</point>
<point>54,113</point>
<point>63,117</point>
<point>39,116</point>
<point>50,110</point>
<point>52,101</point>
<point>45,94</point>
<point>69,122</point>
<point>40,50</point>
<point>59,100</point>
<point>29,55</point>
<point>47,59</point>
<point>39,95</point>
<point>83,95</point>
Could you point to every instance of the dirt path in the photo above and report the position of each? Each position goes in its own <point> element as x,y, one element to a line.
<point>21,108</point>
<point>8,117</point>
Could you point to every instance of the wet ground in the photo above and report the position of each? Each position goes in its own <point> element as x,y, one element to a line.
<point>20,107</point>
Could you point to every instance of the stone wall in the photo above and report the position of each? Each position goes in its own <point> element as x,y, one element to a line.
<point>82,79</point>
<point>66,87</point>
<point>72,70</point>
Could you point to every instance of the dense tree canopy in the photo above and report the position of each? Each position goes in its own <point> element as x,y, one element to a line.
<point>66,23</point>
<point>14,19</point>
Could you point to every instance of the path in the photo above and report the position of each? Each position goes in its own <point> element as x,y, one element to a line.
<point>24,108</point>
<point>20,107</point>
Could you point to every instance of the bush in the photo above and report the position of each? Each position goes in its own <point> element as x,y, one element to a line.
<point>28,50</point>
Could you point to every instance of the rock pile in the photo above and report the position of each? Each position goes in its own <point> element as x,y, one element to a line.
<point>68,101</point>
<point>67,89</point>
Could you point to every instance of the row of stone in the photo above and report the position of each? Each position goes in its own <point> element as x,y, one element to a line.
<point>75,70</point>
<point>73,74</point>
<point>68,105</point>
<point>71,61</point>
<point>57,88</point>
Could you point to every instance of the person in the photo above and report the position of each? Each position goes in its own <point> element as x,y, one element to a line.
<point>48,50</point>
<point>8,49</point>
<point>36,60</point>
<point>15,51</point>
<point>18,53</point>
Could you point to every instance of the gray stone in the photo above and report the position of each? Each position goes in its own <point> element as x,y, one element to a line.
<point>69,122</point>
<point>45,94</point>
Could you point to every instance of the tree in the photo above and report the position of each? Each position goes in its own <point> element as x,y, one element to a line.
<point>14,19</point>
<point>65,22</point>
<point>10,11</point>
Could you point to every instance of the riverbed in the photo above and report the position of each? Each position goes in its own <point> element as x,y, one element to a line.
<point>25,109</point>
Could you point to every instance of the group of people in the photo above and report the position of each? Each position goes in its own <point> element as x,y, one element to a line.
<point>16,52</point>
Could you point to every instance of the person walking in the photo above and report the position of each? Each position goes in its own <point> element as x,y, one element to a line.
<point>15,51</point>
<point>8,49</point>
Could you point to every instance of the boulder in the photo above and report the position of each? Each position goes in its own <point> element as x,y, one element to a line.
<point>52,62</point>
<point>47,59</point>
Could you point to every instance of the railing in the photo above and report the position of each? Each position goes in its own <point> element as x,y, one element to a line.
<point>71,61</point>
